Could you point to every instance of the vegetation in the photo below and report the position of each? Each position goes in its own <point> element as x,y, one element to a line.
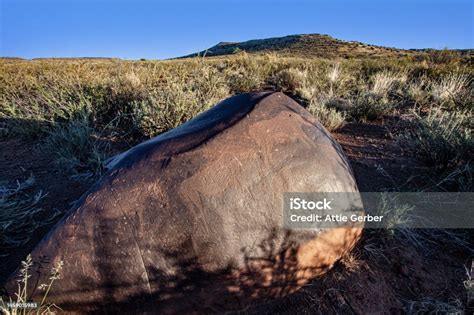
<point>432,306</point>
<point>442,138</point>
<point>325,46</point>
<point>22,305</point>
<point>20,215</point>
<point>84,111</point>
<point>78,108</point>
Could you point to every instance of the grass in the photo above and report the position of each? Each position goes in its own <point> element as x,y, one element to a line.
<point>20,214</point>
<point>79,110</point>
<point>449,88</point>
<point>77,149</point>
<point>441,138</point>
<point>13,307</point>
<point>434,306</point>
<point>469,282</point>
<point>385,82</point>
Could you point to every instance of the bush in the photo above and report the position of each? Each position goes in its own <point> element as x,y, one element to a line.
<point>177,102</point>
<point>448,88</point>
<point>370,106</point>
<point>417,92</point>
<point>457,179</point>
<point>339,104</point>
<point>442,139</point>
<point>291,80</point>
<point>245,74</point>
<point>384,82</point>
<point>244,80</point>
<point>311,80</point>
<point>330,118</point>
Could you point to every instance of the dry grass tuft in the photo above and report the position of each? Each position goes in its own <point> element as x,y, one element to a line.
<point>17,306</point>
<point>449,87</point>
<point>385,82</point>
<point>352,262</point>
<point>20,214</point>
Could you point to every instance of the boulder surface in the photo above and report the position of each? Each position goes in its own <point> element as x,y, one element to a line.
<point>192,221</point>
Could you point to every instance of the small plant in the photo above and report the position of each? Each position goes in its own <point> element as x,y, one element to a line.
<point>22,305</point>
<point>442,139</point>
<point>330,118</point>
<point>245,74</point>
<point>293,80</point>
<point>395,214</point>
<point>397,217</point>
<point>417,92</point>
<point>449,87</point>
<point>382,83</point>
<point>458,179</point>
<point>351,261</point>
<point>469,284</point>
<point>370,106</point>
<point>178,102</point>
<point>339,104</point>
<point>333,75</point>
<point>237,50</point>
<point>244,80</point>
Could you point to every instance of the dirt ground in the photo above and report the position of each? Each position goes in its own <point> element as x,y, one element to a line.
<point>18,161</point>
<point>374,281</point>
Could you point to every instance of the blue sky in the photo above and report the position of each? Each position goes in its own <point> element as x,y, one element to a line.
<point>134,29</point>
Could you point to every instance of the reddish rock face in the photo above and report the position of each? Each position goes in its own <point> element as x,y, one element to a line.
<point>192,220</point>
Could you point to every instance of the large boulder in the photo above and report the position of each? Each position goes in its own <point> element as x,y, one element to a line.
<point>192,220</point>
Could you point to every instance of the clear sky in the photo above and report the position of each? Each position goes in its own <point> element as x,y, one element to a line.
<point>134,29</point>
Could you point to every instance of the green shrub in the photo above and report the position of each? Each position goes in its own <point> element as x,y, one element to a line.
<point>290,80</point>
<point>370,106</point>
<point>442,139</point>
<point>244,80</point>
<point>330,118</point>
<point>177,102</point>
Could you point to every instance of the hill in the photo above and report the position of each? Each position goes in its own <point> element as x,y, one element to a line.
<point>311,45</point>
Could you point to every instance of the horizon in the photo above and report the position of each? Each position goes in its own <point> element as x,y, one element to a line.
<point>305,34</point>
<point>132,30</point>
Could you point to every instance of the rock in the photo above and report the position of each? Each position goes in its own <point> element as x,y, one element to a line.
<point>191,220</point>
